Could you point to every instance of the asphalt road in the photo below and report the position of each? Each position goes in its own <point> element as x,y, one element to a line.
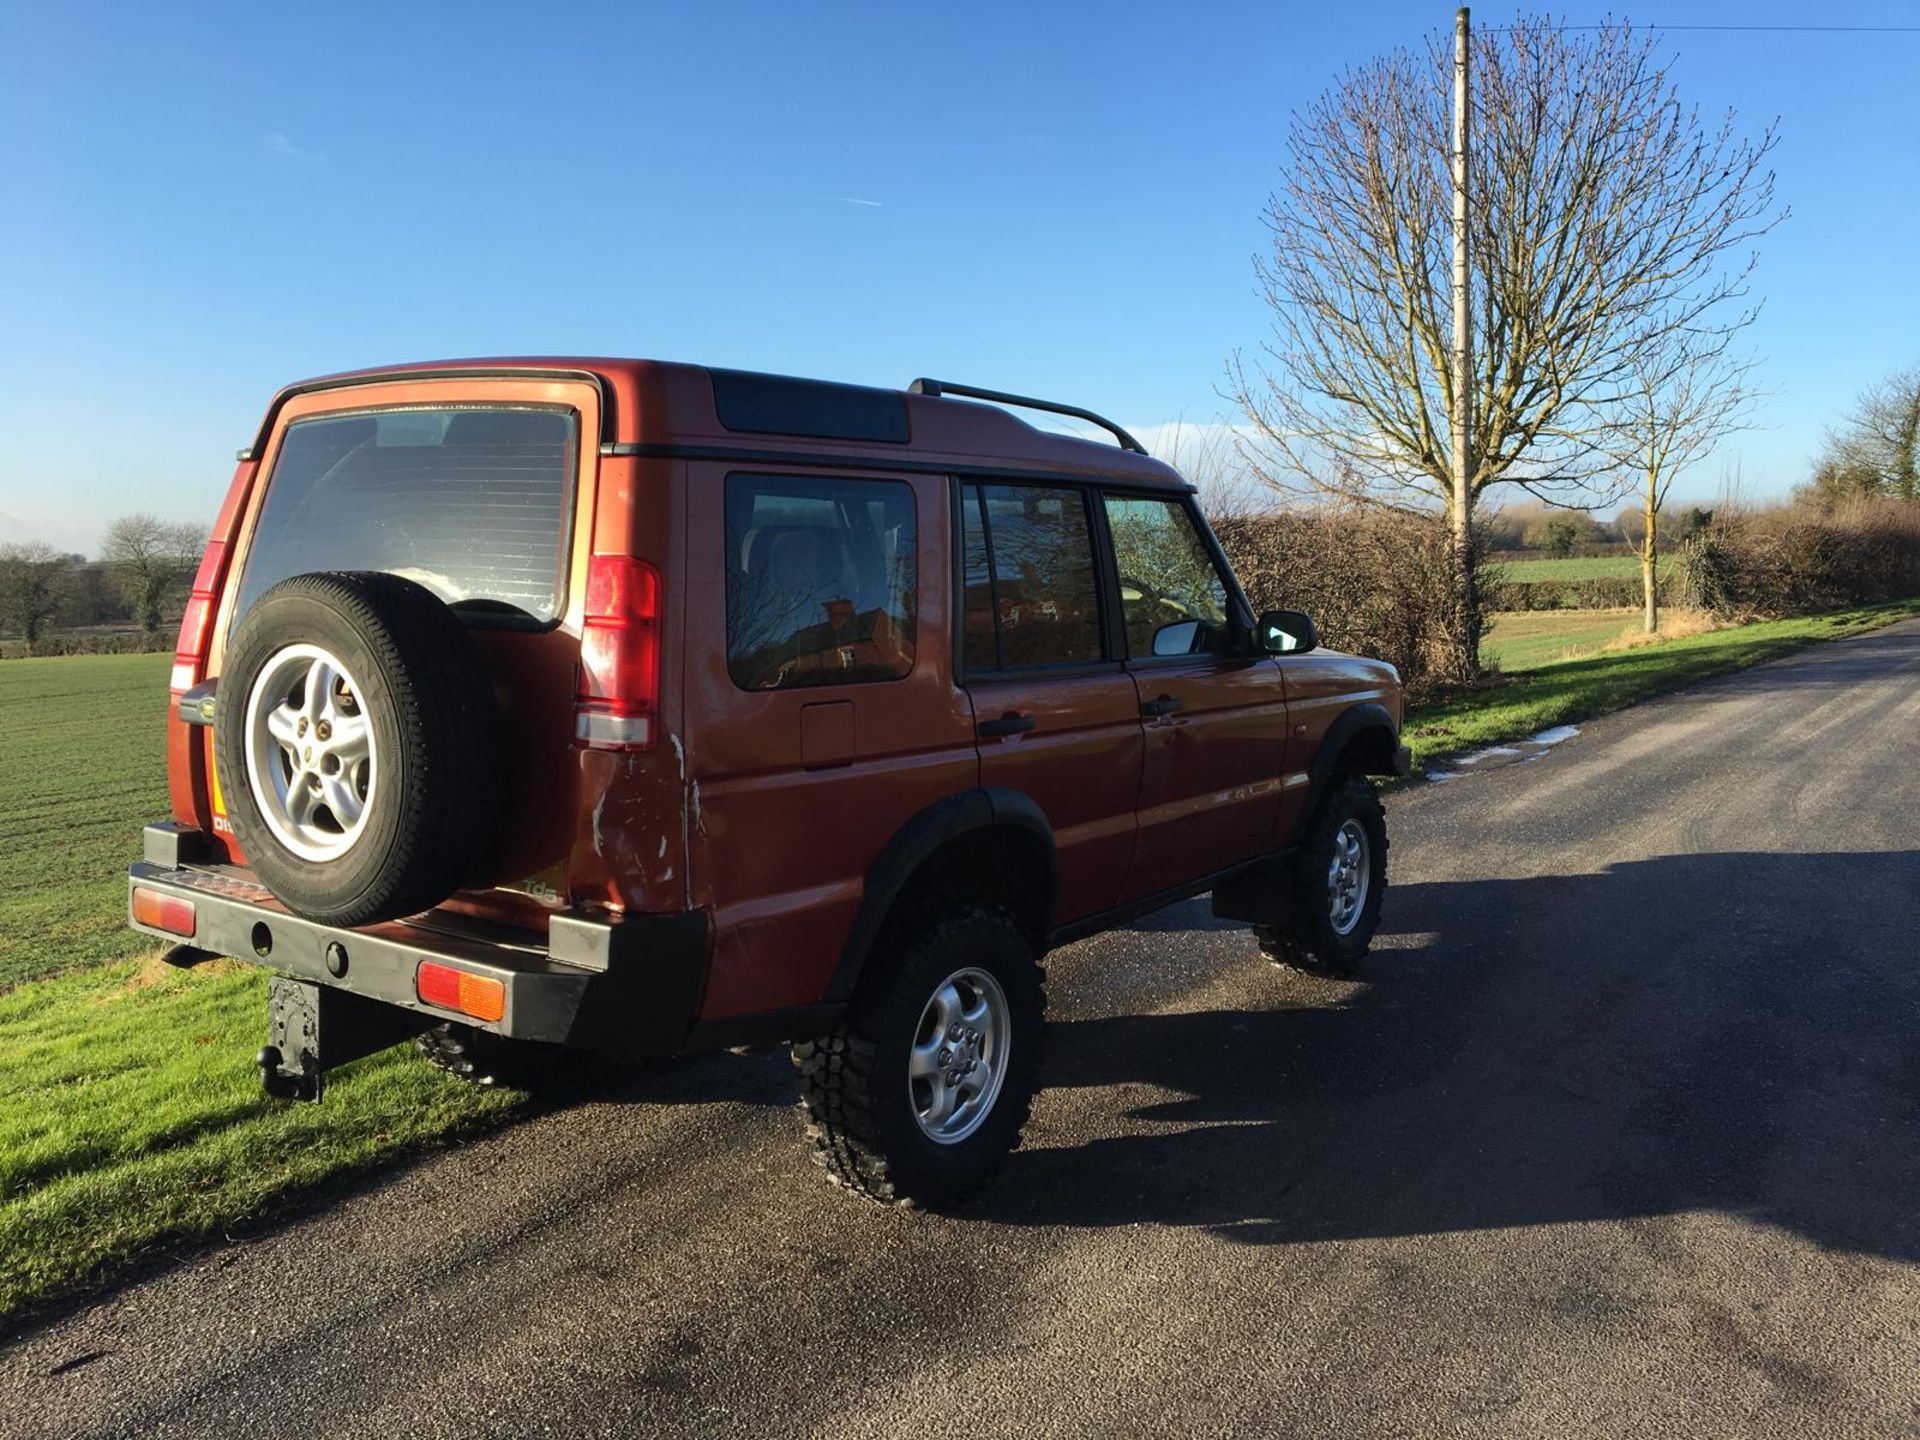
<point>1620,1136</point>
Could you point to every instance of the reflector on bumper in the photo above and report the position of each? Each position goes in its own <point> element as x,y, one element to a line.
<point>163,912</point>
<point>480,996</point>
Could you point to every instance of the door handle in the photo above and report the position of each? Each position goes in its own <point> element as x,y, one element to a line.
<point>1165,705</point>
<point>1011,723</point>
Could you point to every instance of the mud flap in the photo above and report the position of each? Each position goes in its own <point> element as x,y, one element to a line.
<point>1261,894</point>
<point>315,1028</point>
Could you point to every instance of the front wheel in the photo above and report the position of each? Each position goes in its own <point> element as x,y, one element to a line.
<point>1339,877</point>
<point>917,1097</point>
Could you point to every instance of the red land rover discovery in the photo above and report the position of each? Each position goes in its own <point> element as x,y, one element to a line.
<point>527,706</point>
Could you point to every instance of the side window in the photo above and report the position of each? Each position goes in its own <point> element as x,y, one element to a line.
<point>980,639</point>
<point>1172,599</point>
<point>822,581</point>
<point>1030,597</point>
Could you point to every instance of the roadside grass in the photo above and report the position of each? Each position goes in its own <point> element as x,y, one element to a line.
<point>1572,567</point>
<point>1527,639</point>
<point>83,766</point>
<point>130,1111</point>
<point>130,1114</point>
<point>1562,691</point>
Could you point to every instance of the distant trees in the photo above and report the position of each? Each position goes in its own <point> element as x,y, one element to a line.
<point>1875,450</point>
<point>1604,214</point>
<point>150,558</point>
<point>1563,533</point>
<point>1534,525</point>
<point>144,563</point>
<point>33,585</point>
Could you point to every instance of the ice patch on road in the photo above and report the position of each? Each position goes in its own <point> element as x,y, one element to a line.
<point>1499,757</point>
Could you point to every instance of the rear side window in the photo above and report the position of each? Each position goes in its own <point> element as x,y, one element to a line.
<point>822,581</point>
<point>1030,596</point>
<point>470,502</point>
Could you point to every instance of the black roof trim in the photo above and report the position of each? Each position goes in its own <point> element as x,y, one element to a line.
<point>755,404</point>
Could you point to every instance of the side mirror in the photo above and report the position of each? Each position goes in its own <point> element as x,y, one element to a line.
<point>1182,637</point>
<point>1285,632</point>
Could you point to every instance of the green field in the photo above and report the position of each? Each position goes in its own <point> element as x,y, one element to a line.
<point>130,1111</point>
<point>1597,567</point>
<point>82,767</point>
<point>1527,639</point>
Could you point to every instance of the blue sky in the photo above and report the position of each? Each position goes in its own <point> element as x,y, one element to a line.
<point>198,204</point>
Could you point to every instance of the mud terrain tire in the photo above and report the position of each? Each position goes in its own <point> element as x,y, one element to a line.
<point>865,1115</point>
<point>1314,943</point>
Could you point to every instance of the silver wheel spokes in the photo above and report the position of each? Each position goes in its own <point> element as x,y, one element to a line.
<point>959,1055</point>
<point>310,752</point>
<point>1349,874</point>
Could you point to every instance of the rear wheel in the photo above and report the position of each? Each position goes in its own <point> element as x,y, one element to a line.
<point>1338,879</point>
<point>919,1095</point>
<point>481,1057</point>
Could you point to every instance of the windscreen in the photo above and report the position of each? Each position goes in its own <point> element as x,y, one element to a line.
<point>471,502</point>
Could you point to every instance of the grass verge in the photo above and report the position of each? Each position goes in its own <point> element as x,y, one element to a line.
<point>1579,689</point>
<point>130,1111</point>
<point>131,1114</point>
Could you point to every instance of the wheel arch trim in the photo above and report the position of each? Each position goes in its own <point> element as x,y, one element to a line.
<point>916,842</point>
<point>1366,718</point>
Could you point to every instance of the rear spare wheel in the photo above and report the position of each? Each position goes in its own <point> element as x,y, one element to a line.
<point>358,746</point>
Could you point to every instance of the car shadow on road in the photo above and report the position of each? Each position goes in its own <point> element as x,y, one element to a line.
<point>1735,1032</point>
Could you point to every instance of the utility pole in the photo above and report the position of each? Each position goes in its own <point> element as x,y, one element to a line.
<point>1464,596</point>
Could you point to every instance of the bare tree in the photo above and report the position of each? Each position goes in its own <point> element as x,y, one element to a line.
<point>150,558</point>
<point>1604,210</point>
<point>1685,394</point>
<point>1209,458</point>
<point>33,580</point>
<point>1631,521</point>
<point>1876,449</point>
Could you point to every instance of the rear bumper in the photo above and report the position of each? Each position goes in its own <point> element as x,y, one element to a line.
<point>630,986</point>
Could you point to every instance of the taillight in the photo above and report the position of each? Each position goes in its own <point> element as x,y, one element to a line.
<point>196,626</point>
<point>618,703</point>
<point>480,996</point>
<point>163,912</point>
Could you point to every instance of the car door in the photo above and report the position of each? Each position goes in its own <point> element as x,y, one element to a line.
<point>1213,720</point>
<point>1056,714</point>
<point>819,719</point>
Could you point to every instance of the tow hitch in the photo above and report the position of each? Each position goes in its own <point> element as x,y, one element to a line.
<point>302,1018</point>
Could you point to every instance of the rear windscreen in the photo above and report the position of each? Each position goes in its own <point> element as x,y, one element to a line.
<point>470,502</point>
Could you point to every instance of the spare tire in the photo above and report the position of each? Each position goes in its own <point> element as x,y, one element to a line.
<point>358,746</point>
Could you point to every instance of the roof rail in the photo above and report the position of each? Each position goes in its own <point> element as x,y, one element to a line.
<point>924,386</point>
